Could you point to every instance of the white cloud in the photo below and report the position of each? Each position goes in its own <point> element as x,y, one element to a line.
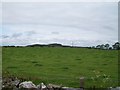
<point>60,22</point>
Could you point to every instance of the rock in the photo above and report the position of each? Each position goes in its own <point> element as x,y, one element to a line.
<point>42,86</point>
<point>65,87</point>
<point>10,82</point>
<point>28,85</point>
<point>117,88</point>
<point>16,82</point>
<point>54,87</point>
<point>50,87</point>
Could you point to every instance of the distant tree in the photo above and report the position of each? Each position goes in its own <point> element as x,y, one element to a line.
<point>93,47</point>
<point>102,46</point>
<point>113,46</point>
<point>116,46</point>
<point>110,48</point>
<point>55,45</point>
<point>107,46</point>
<point>98,46</point>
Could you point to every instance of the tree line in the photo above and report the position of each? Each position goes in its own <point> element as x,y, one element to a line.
<point>115,46</point>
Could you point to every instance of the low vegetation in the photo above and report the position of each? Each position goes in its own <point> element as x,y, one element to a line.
<point>62,65</point>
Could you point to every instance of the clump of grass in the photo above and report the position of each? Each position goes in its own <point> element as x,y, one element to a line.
<point>91,69</point>
<point>38,64</point>
<point>105,64</point>
<point>101,77</point>
<point>34,62</point>
<point>65,68</point>
<point>78,59</point>
<point>25,61</point>
<point>11,67</point>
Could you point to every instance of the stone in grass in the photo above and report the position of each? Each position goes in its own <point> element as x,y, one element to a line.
<point>42,86</point>
<point>10,82</point>
<point>27,85</point>
<point>16,82</point>
<point>54,87</point>
<point>117,88</point>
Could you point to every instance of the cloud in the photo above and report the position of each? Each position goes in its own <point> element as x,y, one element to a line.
<point>5,36</point>
<point>56,33</point>
<point>29,33</point>
<point>15,35</point>
<point>60,22</point>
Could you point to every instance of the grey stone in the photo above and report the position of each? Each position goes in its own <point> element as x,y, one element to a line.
<point>27,84</point>
<point>41,86</point>
<point>117,88</point>
<point>53,86</point>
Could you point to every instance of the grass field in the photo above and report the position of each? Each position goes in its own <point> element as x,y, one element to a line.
<point>62,65</point>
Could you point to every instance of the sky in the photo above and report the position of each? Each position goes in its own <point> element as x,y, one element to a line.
<point>77,23</point>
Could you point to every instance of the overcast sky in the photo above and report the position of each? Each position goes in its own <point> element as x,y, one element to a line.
<point>83,23</point>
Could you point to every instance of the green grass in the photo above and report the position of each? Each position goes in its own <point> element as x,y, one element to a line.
<point>62,65</point>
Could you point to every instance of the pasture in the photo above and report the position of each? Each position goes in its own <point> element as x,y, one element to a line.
<point>60,65</point>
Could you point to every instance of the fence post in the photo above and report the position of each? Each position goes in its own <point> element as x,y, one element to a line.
<point>82,82</point>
